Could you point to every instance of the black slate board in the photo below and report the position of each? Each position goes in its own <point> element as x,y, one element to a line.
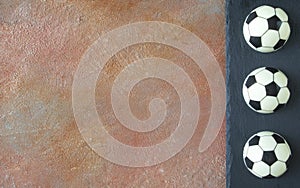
<point>242,122</point>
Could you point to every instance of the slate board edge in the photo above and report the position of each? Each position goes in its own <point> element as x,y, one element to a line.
<point>228,107</point>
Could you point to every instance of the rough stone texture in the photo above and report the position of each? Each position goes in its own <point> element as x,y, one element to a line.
<point>41,46</point>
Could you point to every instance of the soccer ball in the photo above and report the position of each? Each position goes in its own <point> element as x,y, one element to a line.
<point>266,155</point>
<point>266,29</point>
<point>265,90</point>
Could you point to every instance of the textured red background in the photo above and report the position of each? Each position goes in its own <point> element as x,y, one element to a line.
<point>41,46</point>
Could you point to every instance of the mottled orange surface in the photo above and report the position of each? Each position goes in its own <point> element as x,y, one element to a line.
<point>42,43</point>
